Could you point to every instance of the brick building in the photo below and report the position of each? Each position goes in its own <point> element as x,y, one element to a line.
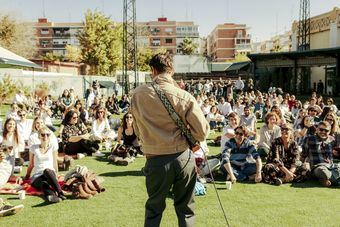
<point>227,40</point>
<point>166,34</point>
<point>53,37</point>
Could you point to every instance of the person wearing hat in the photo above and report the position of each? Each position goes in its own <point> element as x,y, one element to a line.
<point>283,162</point>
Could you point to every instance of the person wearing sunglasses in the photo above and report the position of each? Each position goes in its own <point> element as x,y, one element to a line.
<point>101,128</point>
<point>240,161</point>
<point>317,150</point>
<point>44,168</point>
<point>75,136</point>
<point>283,162</point>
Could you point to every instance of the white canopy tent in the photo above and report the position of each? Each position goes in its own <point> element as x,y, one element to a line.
<point>9,59</point>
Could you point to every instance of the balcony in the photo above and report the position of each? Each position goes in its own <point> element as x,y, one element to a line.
<point>59,45</point>
<point>62,35</point>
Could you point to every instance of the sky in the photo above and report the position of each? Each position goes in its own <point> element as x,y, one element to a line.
<point>265,18</point>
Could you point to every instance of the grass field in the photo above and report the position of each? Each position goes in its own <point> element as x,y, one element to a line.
<point>122,204</point>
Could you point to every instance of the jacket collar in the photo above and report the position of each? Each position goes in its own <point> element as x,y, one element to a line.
<point>164,78</point>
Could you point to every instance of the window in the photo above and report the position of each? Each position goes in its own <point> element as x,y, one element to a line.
<point>156,42</point>
<point>168,30</point>
<point>167,40</point>
<point>44,31</point>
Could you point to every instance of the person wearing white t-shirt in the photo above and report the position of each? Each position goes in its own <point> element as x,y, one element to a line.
<point>24,129</point>
<point>206,107</point>
<point>44,166</point>
<point>224,107</point>
<point>228,130</point>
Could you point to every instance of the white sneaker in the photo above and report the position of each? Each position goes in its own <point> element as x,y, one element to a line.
<point>17,169</point>
<point>98,154</point>
<point>80,156</point>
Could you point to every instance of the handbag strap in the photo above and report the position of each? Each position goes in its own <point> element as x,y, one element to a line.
<point>175,117</point>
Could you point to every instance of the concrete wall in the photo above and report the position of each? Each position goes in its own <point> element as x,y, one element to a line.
<point>57,82</point>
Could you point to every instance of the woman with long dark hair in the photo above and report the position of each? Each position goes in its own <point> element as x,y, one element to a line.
<point>75,136</point>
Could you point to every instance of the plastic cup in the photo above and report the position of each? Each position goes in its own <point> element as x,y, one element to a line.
<point>22,194</point>
<point>228,185</point>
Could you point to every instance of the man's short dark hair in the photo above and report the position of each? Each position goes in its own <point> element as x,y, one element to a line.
<point>162,62</point>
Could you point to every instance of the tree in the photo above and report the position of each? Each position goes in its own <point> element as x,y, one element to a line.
<point>187,46</point>
<point>101,44</point>
<point>73,53</point>
<point>144,56</point>
<point>17,37</point>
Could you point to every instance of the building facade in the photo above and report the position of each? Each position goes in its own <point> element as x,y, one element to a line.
<point>53,37</point>
<point>164,34</point>
<point>324,33</point>
<point>227,40</point>
<point>278,43</point>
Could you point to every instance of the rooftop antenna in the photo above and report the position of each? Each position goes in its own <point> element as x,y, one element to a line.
<point>162,8</point>
<point>228,11</point>
<point>43,8</point>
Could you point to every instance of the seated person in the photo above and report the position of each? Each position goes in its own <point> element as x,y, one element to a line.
<point>239,158</point>
<point>13,112</point>
<point>10,137</point>
<point>7,165</point>
<point>126,136</point>
<point>124,104</point>
<point>283,162</point>
<point>101,127</point>
<point>228,130</point>
<point>75,137</point>
<point>249,120</point>
<point>24,127</point>
<point>215,120</point>
<point>43,162</point>
<point>268,133</point>
<point>318,150</point>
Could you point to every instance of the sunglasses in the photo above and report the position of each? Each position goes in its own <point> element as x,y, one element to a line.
<point>45,134</point>
<point>239,133</point>
<point>75,117</point>
<point>323,130</point>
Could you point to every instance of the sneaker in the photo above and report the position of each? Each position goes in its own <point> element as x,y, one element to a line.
<point>17,169</point>
<point>53,199</point>
<point>122,162</point>
<point>278,181</point>
<point>98,154</point>
<point>139,156</point>
<point>80,156</point>
<point>8,209</point>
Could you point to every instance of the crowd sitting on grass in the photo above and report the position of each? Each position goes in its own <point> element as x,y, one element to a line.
<point>298,140</point>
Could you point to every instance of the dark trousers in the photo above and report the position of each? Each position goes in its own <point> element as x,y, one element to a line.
<point>176,171</point>
<point>48,183</point>
<point>82,146</point>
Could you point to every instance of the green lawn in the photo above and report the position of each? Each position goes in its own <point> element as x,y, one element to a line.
<point>122,204</point>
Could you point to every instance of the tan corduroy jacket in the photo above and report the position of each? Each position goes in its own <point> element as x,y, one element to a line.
<point>158,133</point>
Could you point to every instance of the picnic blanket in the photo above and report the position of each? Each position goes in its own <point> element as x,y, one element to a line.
<point>12,188</point>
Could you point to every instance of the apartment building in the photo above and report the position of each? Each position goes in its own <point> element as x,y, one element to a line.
<point>166,34</point>
<point>278,43</point>
<point>226,40</point>
<point>53,37</point>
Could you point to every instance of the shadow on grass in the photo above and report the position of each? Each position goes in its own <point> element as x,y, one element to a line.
<point>311,184</point>
<point>136,173</point>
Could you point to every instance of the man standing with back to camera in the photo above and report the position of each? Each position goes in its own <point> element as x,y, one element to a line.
<point>169,161</point>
